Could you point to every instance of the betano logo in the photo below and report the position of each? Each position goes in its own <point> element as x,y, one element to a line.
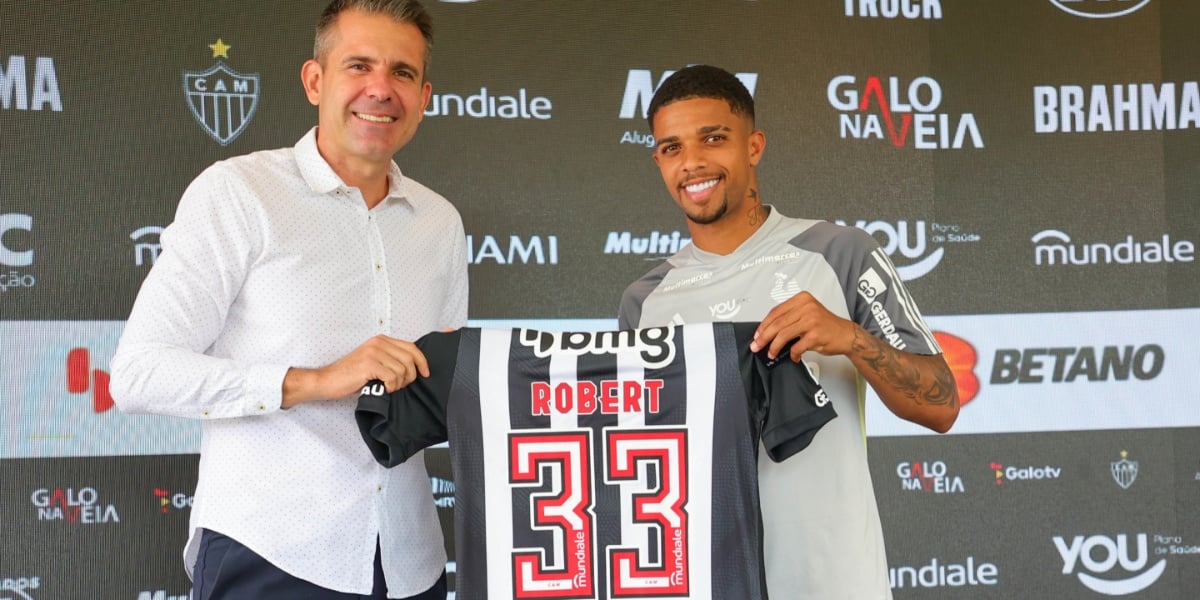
<point>81,377</point>
<point>222,100</point>
<point>895,9</point>
<point>960,355</point>
<point>1116,107</point>
<point>1099,554</point>
<point>1100,9</point>
<point>15,86</point>
<point>863,107</point>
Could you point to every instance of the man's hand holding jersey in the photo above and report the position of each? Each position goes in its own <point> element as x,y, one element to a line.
<point>917,387</point>
<point>395,362</point>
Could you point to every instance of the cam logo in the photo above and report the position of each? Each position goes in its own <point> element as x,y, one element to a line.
<point>1124,471</point>
<point>1100,9</point>
<point>1099,554</point>
<point>222,100</point>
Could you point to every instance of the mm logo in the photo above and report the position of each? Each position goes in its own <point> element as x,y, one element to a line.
<point>1100,9</point>
<point>640,88</point>
<point>221,99</point>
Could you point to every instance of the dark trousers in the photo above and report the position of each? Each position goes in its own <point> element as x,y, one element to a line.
<point>227,570</point>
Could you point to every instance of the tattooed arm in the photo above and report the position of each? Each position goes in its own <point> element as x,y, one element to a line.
<point>917,387</point>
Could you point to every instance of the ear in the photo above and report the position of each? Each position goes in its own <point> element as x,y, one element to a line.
<point>757,143</point>
<point>426,93</point>
<point>310,75</point>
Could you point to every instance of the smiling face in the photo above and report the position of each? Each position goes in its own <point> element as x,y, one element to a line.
<point>370,91</point>
<point>707,154</point>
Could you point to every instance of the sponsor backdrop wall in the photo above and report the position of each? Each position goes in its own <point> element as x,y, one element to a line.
<point>1029,165</point>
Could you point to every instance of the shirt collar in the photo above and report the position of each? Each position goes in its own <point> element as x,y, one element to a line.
<point>322,179</point>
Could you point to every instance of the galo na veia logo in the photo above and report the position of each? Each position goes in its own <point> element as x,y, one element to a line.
<point>221,99</point>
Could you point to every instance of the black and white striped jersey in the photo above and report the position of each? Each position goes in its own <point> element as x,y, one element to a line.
<point>615,464</point>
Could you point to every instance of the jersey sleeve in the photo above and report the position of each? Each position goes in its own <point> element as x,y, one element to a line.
<point>399,424</point>
<point>792,405</point>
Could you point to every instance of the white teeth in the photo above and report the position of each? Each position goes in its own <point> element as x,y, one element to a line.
<point>374,119</point>
<point>696,188</point>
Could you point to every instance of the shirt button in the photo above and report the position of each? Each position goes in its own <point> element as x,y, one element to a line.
<point>378,267</point>
<point>379,488</point>
<point>381,322</point>
<point>205,413</point>
<point>262,407</point>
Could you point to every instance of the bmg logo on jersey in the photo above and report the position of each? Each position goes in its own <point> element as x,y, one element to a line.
<point>655,345</point>
<point>73,506</point>
<point>222,100</point>
<point>907,112</point>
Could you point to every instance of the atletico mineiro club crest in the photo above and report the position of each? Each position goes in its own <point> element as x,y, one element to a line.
<point>221,99</point>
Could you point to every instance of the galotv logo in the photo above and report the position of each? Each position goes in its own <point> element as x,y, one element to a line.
<point>1098,555</point>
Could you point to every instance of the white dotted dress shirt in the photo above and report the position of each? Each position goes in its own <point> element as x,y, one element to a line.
<point>272,262</point>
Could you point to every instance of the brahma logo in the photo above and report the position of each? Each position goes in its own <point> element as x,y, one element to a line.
<point>1099,554</point>
<point>14,85</point>
<point>928,477</point>
<point>1116,107</point>
<point>895,9</point>
<point>222,100</point>
<point>916,103</point>
<point>639,90</point>
<point>73,506</point>
<point>1100,9</point>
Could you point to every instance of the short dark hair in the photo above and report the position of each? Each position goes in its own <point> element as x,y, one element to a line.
<point>402,11</point>
<point>702,81</point>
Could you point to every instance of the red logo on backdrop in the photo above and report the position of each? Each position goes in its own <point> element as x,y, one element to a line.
<point>961,357</point>
<point>81,378</point>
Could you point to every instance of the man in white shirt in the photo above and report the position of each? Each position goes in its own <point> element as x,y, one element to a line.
<point>288,279</point>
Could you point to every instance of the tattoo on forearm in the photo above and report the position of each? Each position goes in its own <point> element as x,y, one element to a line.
<point>898,370</point>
